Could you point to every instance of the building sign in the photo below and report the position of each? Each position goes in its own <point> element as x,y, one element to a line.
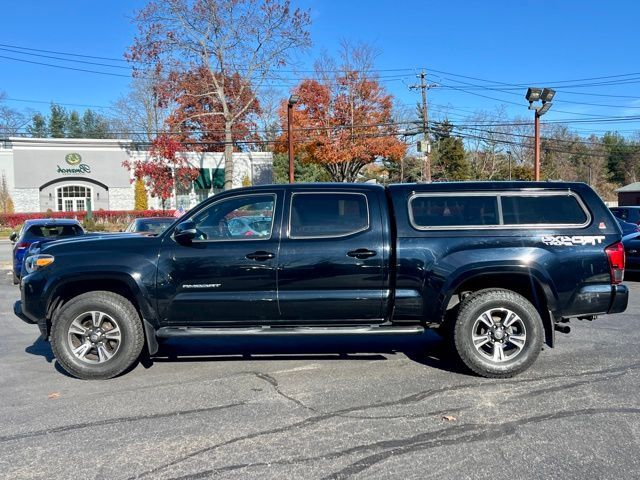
<point>76,167</point>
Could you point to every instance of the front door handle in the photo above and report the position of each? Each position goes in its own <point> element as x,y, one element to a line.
<point>259,255</point>
<point>361,253</point>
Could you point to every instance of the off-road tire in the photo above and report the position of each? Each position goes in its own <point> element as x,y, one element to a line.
<point>116,306</point>
<point>472,308</point>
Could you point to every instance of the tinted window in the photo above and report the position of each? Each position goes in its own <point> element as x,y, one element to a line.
<point>431,211</point>
<point>42,231</point>
<point>240,218</point>
<point>328,214</point>
<point>544,209</point>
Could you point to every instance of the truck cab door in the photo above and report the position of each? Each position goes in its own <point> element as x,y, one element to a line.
<point>333,258</point>
<point>227,273</point>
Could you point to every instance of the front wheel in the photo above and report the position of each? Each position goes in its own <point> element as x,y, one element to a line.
<point>97,335</point>
<point>498,333</point>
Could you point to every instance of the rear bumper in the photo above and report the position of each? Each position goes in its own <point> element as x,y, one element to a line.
<point>598,299</point>
<point>620,299</point>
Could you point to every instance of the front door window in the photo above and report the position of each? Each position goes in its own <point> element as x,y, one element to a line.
<point>73,198</point>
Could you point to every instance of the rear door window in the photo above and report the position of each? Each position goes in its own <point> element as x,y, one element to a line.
<point>315,215</point>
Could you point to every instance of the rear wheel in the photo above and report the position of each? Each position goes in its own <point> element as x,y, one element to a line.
<point>498,333</point>
<point>16,279</point>
<point>97,335</point>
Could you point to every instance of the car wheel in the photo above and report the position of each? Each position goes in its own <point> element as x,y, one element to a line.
<point>16,279</point>
<point>97,335</point>
<point>498,333</point>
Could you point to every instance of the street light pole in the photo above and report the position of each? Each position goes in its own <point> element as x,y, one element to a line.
<point>536,148</point>
<point>533,95</point>
<point>293,99</point>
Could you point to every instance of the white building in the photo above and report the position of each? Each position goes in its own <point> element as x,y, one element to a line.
<point>62,174</point>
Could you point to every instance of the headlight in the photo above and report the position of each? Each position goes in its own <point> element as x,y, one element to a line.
<point>36,262</point>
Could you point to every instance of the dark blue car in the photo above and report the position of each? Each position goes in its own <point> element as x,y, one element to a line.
<point>42,231</point>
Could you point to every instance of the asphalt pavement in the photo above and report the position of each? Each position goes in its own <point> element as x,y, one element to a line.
<point>323,409</point>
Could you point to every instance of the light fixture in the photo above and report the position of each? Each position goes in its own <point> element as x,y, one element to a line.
<point>293,99</point>
<point>533,94</point>
<point>544,109</point>
<point>547,95</point>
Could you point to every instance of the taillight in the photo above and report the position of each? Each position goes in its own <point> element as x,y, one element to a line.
<point>23,245</point>
<point>615,254</point>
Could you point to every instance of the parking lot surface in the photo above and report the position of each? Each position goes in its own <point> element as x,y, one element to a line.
<point>323,409</point>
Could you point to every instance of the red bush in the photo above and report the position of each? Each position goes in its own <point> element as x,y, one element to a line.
<point>111,216</point>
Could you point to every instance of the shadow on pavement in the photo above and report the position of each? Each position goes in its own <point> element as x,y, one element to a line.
<point>427,349</point>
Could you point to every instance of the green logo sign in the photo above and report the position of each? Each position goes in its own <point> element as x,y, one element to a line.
<point>73,158</point>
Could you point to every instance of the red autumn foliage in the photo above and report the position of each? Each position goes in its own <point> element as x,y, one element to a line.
<point>198,115</point>
<point>343,122</point>
<point>165,166</point>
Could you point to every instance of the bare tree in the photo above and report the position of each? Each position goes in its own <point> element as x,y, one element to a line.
<point>140,115</point>
<point>11,120</point>
<point>231,38</point>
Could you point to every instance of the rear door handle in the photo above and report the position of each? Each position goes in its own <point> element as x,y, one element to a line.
<point>361,253</point>
<point>259,255</point>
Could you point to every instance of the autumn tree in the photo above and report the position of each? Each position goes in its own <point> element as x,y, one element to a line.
<point>191,113</point>
<point>343,120</point>
<point>246,39</point>
<point>164,169</point>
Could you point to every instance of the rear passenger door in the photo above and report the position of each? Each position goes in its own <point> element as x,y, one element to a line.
<point>332,258</point>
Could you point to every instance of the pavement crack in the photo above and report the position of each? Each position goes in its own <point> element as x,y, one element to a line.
<point>112,421</point>
<point>276,386</point>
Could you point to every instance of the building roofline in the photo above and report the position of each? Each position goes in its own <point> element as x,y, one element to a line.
<point>69,141</point>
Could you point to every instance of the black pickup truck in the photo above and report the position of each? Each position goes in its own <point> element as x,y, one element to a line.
<point>497,267</point>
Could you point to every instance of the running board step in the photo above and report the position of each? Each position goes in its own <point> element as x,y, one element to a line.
<point>166,332</point>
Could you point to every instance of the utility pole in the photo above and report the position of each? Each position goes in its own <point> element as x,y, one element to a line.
<point>425,145</point>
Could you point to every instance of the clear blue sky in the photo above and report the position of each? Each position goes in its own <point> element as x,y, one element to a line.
<point>515,42</point>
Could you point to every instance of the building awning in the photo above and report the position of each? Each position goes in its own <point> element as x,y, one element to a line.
<point>205,180</point>
<point>218,178</point>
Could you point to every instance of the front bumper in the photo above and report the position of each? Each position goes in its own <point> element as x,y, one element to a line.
<point>17,309</point>
<point>31,307</point>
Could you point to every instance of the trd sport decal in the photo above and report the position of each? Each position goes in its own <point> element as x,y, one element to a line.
<point>564,241</point>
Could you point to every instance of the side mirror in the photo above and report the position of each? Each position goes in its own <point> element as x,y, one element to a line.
<point>13,237</point>
<point>185,232</point>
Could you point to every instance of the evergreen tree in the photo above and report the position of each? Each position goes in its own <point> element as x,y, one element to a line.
<point>450,162</point>
<point>57,121</point>
<point>38,127</point>
<point>303,171</point>
<point>141,199</point>
<point>94,125</point>
<point>74,126</point>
